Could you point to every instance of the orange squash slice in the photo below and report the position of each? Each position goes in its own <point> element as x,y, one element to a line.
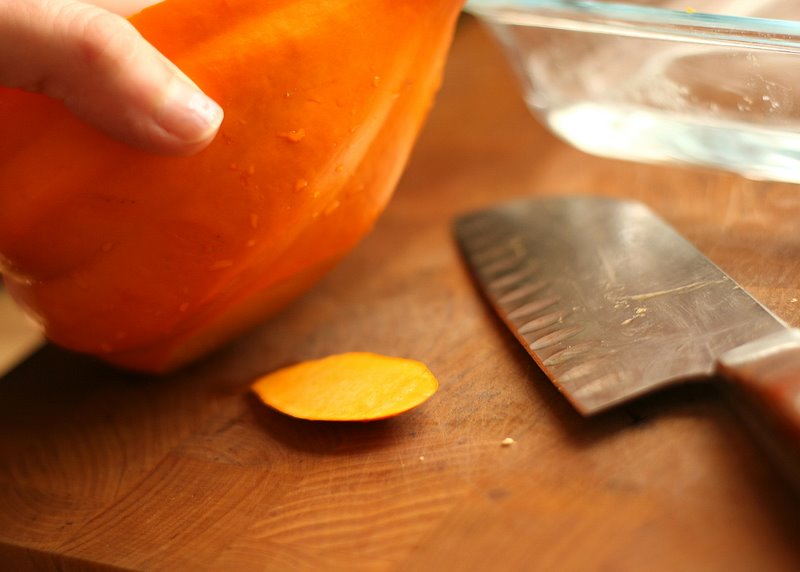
<point>354,386</point>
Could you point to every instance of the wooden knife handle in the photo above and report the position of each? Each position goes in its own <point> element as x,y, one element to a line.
<point>764,384</point>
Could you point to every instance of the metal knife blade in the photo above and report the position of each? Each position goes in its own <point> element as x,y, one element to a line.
<point>612,302</point>
<point>608,299</point>
<point>19,336</point>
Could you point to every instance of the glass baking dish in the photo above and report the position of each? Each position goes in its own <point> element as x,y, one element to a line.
<point>716,84</point>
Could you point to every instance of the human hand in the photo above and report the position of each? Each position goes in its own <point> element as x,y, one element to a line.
<point>105,73</point>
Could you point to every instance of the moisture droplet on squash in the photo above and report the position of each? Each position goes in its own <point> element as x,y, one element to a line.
<point>356,386</point>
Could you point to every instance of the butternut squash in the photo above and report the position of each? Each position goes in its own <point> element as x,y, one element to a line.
<point>149,262</point>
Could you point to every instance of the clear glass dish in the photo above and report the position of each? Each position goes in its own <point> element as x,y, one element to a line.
<point>716,83</point>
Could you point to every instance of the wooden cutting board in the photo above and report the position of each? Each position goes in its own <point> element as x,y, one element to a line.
<point>101,469</point>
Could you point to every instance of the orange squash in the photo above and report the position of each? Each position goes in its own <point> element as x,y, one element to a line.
<point>151,261</point>
<point>355,386</point>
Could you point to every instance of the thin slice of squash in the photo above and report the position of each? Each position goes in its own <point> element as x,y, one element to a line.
<point>354,386</point>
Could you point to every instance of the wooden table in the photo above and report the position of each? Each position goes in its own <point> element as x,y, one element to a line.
<point>102,469</point>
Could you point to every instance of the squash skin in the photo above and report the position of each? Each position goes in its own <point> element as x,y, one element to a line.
<point>149,262</point>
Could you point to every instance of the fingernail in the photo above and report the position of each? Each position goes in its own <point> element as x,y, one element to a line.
<point>189,114</point>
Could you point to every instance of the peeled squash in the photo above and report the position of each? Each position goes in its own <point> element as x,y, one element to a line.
<point>148,261</point>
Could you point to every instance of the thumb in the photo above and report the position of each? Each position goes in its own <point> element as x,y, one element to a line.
<point>105,73</point>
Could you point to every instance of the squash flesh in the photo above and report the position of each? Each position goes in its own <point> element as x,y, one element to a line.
<point>140,259</point>
<point>354,386</point>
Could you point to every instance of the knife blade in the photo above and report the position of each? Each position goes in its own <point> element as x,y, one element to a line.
<point>19,335</point>
<point>612,303</point>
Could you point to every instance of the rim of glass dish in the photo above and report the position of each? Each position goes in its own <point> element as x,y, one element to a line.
<point>647,22</point>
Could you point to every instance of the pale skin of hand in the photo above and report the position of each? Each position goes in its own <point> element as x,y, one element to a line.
<point>100,67</point>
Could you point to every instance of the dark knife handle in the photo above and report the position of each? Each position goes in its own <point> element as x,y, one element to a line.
<point>764,384</point>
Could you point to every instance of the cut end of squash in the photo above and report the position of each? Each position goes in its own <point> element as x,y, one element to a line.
<point>355,386</point>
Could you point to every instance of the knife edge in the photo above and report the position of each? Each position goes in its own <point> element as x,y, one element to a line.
<point>605,343</point>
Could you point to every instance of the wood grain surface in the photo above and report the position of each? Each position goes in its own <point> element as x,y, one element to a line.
<point>101,469</point>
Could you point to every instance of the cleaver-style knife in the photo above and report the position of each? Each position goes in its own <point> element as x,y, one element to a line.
<point>612,303</point>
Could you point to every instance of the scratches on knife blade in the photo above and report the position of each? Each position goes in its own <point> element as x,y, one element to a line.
<point>679,290</point>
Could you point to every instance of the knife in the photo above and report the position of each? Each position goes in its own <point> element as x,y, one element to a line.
<point>612,303</point>
<point>19,335</point>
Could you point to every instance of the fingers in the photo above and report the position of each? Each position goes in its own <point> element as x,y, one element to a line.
<point>105,73</point>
